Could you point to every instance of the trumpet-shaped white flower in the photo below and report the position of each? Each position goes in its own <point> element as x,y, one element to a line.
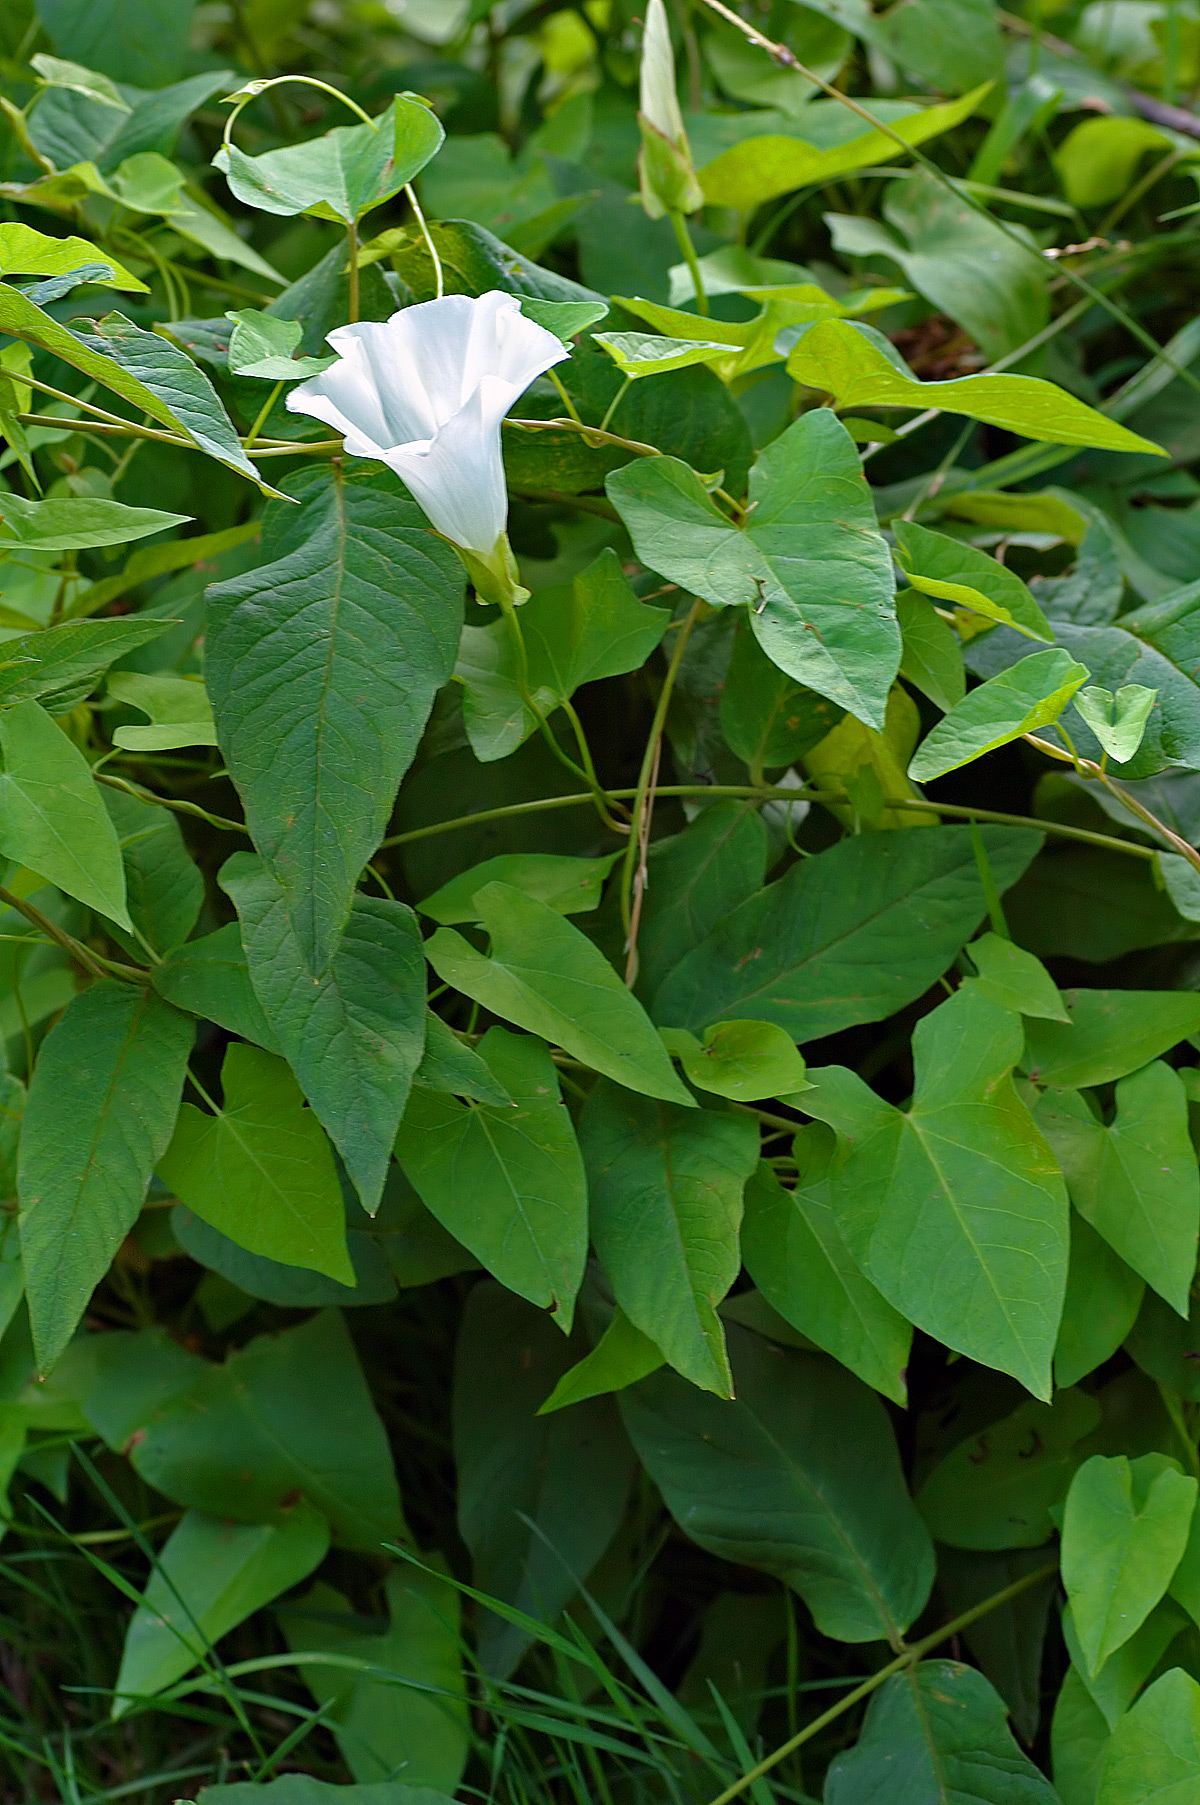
<point>425,392</point>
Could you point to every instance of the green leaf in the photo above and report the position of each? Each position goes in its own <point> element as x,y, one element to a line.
<point>54,72</point>
<point>931,657</point>
<point>342,174</point>
<point>761,165</point>
<point>539,1498</point>
<point>209,977</point>
<point>361,604</point>
<point>352,1029</point>
<point>666,1206</point>
<point>177,707</point>
<point>99,31</point>
<point>1118,721</point>
<point>209,1577</point>
<point>961,1184</point>
<point>566,319</point>
<point>1125,1528</point>
<point>848,935</point>
<point>1098,158</point>
<point>621,1357</point>
<point>810,562</point>
<point>1110,1033</point>
<point>568,885</point>
<point>695,879</point>
<point>999,1488</point>
<point>450,1065</point>
<point>937,1735</point>
<point>101,1108</point>
<point>1031,694</point>
<point>74,522</point>
<point>418,1649</point>
<point>265,346</point>
<point>164,886</point>
<point>767,718</point>
<point>548,978</point>
<point>992,279</point>
<point>835,357</point>
<point>506,1180</point>
<point>794,1252</point>
<point>27,252</point>
<point>1015,979</point>
<point>574,633</point>
<point>740,1060</point>
<point>287,1417</point>
<point>260,1170</point>
<point>1136,1180</point>
<point>145,367</point>
<point>51,816</point>
<point>298,1789</point>
<point>952,571</point>
<point>1101,1306</point>
<point>774,1480</point>
<point>1154,1755</point>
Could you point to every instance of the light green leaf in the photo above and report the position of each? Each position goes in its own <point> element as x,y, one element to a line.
<point>848,935</point>
<point>286,1417</point>
<point>952,571</point>
<point>51,816</point>
<point>209,1577</point>
<point>263,345</point>
<point>764,164</point>
<point>352,1029</point>
<point>810,562</point>
<point>621,1357</point>
<point>834,357</point>
<point>937,1735</point>
<point>209,977</point>
<point>1110,1033</point>
<point>741,1060</point>
<point>361,603</point>
<point>177,707</point>
<point>794,1252</point>
<point>1029,695</point>
<point>260,1170</point>
<point>775,1480</point>
<point>570,886</point>
<point>342,174</point>
<point>1154,1755</point>
<point>768,718</point>
<point>695,879</point>
<point>1136,1180</point>
<point>1097,158</point>
<point>55,72</point>
<point>1125,1528</point>
<point>961,1184</point>
<point>450,1065</point>
<point>101,1108</point>
<point>1015,979</point>
<point>547,977</point>
<point>649,354</point>
<point>1101,1306</point>
<point>1118,721</point>
<point>999,1488</point>
<point>931,657</point>
<point>666,1206</point>
<point>565,319</point>
<point>164,885</point>
<point>506,1180</point>
<point>27,252</point>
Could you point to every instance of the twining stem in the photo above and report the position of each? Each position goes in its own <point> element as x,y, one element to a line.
<point>439,279</point>
<point>171,802</point>
<point>94,964</point>
<point>1088,768</point>
<point>749,792</point>
<point>615,403</point>
<point>262,416</point>
<point>683,239</point>
<point>633,874</point>
<point>352,271</point>
<point>908,1657</point>
<point>598,433</point>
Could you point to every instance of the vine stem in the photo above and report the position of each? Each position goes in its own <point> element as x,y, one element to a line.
<point>94,964</point>
<point>749,792</point>
<point>907,1658</point>
<point>633,875</point>
<point>439,279</point>
<point>683,239</point>
<point>1088,768</point>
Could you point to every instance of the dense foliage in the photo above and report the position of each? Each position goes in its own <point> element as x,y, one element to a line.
<point>597,1123</point>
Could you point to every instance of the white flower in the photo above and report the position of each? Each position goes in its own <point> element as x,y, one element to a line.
<point>425,392</point>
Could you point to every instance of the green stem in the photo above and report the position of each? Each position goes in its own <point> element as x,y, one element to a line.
<point>262,416</point>
<point>683,239</point>
<point>615,403</point>
<point>439,279</point>
<point>907,1658</point>
<point>352,270</point>
<point>633,869</point>
<point>170,802</point>
<point>94,964</point>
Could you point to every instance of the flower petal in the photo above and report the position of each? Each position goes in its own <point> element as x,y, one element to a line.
<point>459,477</point>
